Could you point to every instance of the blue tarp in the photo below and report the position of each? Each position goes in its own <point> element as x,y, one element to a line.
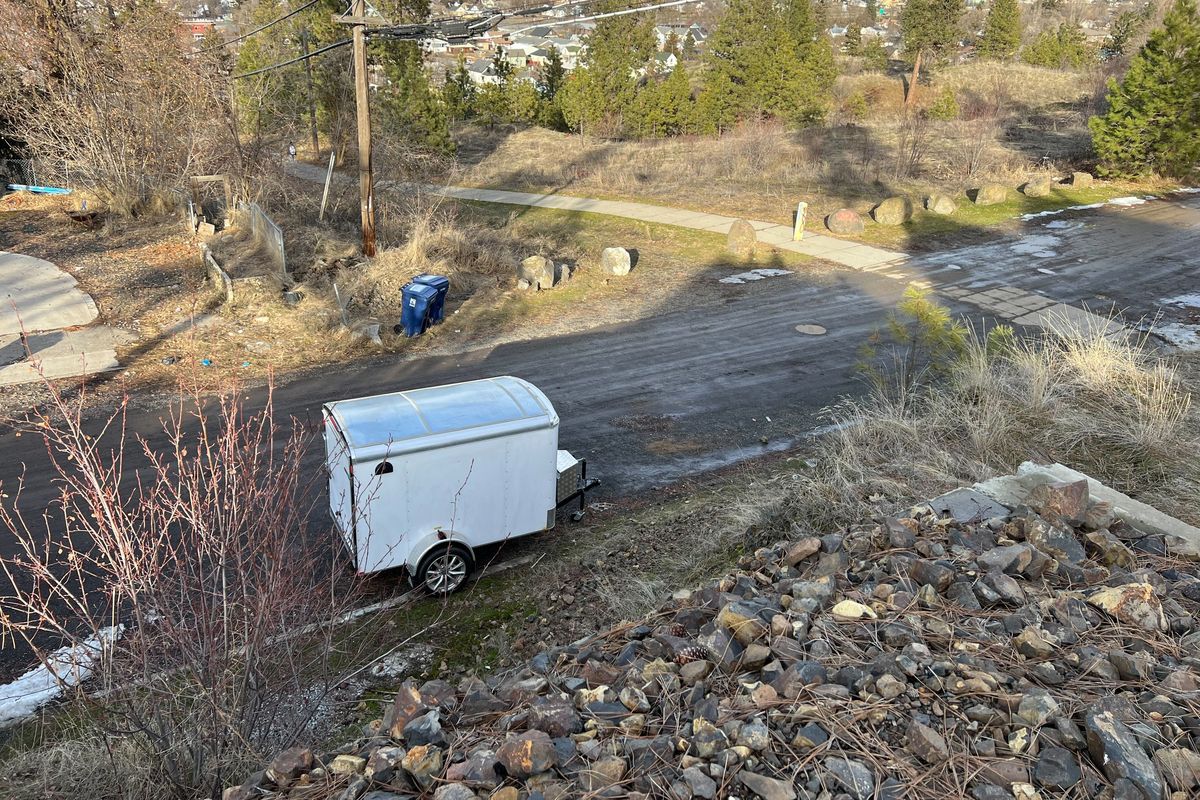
<point>20,187</point>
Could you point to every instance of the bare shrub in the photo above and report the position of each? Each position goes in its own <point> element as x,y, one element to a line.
<point>911,145</point>
<point>202,548</point>
<point>113,102</point>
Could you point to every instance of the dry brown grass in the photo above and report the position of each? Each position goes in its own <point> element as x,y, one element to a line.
<point>1120,412</point>
<point>1013,115</point>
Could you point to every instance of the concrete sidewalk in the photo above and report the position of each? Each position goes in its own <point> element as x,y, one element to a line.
<point>41,308</point>
<point>847,253</point>
<point>840,251</point>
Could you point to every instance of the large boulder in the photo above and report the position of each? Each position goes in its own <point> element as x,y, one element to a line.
<point>1080,180</point>
<point>537,271</point>
<point>990,194</point>
<point>844,222</point>
<point>741,239</point>
<point>1038,187</point>
<point>616,260</point>
<point>942,204</point>
<point>893,211</point>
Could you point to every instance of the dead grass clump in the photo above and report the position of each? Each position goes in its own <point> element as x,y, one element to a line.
<point>441,241</point>
<point>1115,410</point>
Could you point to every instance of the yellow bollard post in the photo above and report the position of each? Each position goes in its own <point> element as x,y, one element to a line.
<point>798,228</point>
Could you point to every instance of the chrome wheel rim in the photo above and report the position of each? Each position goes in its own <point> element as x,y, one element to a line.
<point>446,573</point>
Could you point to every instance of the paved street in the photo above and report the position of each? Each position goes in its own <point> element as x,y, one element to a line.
<point>679,392</point>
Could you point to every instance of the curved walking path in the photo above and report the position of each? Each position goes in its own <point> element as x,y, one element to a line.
<point>840,251</point>
<point>41,308</point>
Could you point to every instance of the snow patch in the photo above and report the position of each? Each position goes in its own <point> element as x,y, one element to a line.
<point>1063,225</point>
<point>1045,271</point>
<point>1189,300</point>
<point>1190,190</point>
<point>1127,201</point>
<point>65,668</point>
<point>1038,245</point>
<point>755,275</point>
<point>1185,337</point>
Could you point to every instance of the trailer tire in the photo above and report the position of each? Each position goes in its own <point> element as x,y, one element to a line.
<point>444,569</point>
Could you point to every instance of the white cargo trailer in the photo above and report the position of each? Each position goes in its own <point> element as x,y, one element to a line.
<point>421,478</point>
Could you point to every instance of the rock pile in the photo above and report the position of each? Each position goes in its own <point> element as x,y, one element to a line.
<point>1049,651</point>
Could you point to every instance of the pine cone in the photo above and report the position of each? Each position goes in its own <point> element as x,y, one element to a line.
<point>675,629</point>
<point>689,654</point>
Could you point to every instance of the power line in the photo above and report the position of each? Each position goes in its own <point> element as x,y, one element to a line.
<point>291,61</point>
<point>260,28</point>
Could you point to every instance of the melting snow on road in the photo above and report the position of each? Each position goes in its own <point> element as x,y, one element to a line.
<point>1038,246</point>
<point>1189,300</point>
<point>1063,225</point>
<point>1045,271</point>
<point>755,275</point>
<point>66,667</point>
<point>1127,201</point>
<point>1185,337</point>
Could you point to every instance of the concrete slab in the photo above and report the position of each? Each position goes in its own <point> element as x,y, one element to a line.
<point>1012,490</point>
<point>1064,319</point>
<point>59,354</point>
<point>36,295</point>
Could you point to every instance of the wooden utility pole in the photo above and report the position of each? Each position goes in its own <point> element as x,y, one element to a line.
<point>312,96</point>
<point>362,102</point>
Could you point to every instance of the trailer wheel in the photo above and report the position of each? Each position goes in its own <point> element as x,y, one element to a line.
<point>445,569</point>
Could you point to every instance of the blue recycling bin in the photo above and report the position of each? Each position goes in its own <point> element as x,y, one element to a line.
<point>418,298</point>
<point>437,311</point>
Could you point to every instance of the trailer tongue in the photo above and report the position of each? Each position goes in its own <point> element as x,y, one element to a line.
<point>420,479</point>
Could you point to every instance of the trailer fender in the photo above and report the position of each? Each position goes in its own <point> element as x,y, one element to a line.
<point>431,541</point>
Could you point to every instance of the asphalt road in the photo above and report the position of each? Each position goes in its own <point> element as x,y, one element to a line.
<point>679,392</point>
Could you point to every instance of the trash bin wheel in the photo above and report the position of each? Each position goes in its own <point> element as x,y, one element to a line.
<point>445,569</point>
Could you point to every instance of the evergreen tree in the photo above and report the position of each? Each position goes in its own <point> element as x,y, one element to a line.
<point>606,89</point>
<point>689,45</point>
<point>854,37</point>
<point>491,104</point>
<point>524,101</point>
<point>1126,26</point>
<point>408,105</point>
<point>1062,48</point>
<point>1002,32</point>
<point>502,68</point>
<point>270,102</point>
<point>673,45</point>
<point>459,92</point>
<point>872,12</point>
<point>874,55</point>
<point>928,28</point>
<point>1153,114</point>
<point>760,62</point>
<point>676,107</point>
<point>553,75</point>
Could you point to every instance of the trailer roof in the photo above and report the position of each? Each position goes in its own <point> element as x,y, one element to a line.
<point>438,416</point>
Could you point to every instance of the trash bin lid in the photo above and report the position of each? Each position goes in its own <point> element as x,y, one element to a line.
<point>420,290</point>
<point>431,280</point>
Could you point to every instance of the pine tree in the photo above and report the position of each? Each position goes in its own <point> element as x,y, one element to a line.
<point>271,101</point>
<point>854,37</point>
<point>675,102</point>
<point>928,28</point>
<point>408,104</point>
<point>1002,32</point>
<point>617,50</point>
<point>1154,113</point>
<point>764,59</point>
<point>459,92</point>
<point>1062,48</point>
<point>874,55</point>
<point>1126,26</point>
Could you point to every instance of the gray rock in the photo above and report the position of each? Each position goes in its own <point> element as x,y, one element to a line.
<point>478,770</point>
<point>1036,708</point>
<point>605,772</point>
<point>990,194</point>
<point>1080,180</point>
<point>699,783</point>
<point>1056,541</point>
<point>423,764</point>
<point>893,211</point>
<point>453,791</point>
<point>1005,587</point>
<point>616,260</point>
<point>844,222</point>
<point>1011,559</point>
<point>554,717</point>
<point>1057,768</point>
<point>538,271</point>
<point>1180,766</point>
<point>754,734</point>
<point>1116,751</point>
<point>853,776</point>
<point>940,204</point>
<point>1038,187</point>
<point>425,729</point>
<point>1061,502</point>
<point>741,239</point>
<point>767,788</point>
<point>926,743</point>
<point>527,754</point>
<point>931,573</point>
